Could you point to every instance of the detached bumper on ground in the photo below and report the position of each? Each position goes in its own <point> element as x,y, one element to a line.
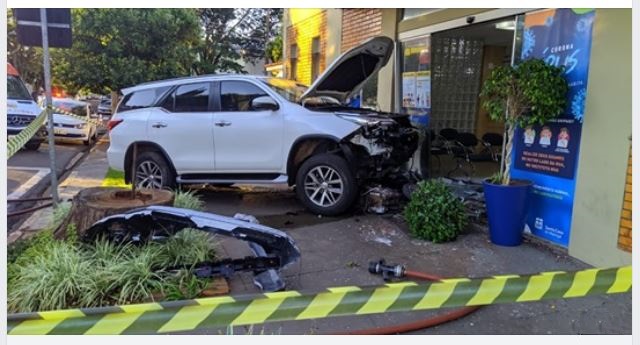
<point>273,249</point>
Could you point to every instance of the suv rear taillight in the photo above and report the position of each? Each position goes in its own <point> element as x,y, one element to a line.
<point>113,123</point>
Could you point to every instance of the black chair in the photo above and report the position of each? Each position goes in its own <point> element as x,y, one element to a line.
<point>464,152</point>
<point>492,143</point>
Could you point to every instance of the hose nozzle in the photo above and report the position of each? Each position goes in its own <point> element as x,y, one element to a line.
<point>387,271</point>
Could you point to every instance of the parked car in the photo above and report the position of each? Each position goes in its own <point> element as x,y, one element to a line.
<point>104,107</point>
<point>21,109</point>
<point>69,128</point>
<point>225,129</point>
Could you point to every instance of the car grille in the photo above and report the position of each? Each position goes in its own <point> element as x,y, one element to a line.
<point>19,120</point>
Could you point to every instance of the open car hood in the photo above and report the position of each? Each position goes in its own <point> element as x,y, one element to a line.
<point>351,70</point>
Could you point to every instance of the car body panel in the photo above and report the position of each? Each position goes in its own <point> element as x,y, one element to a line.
<point>352,69</point>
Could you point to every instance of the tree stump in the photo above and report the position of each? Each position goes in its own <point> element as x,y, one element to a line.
<point>93,204</point>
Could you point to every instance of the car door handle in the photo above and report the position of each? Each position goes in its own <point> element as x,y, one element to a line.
<point>223,123</point>
<point>159,125</point>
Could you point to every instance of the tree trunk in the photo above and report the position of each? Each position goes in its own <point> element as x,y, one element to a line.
<point>114,101</point>
<point>506,178</point>
<point>93,204</point>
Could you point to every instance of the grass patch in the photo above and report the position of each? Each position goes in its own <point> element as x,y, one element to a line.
<point>114,178</point>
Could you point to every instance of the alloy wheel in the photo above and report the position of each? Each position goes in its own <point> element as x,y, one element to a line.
<point>149,175</point>
<point>323,186</point>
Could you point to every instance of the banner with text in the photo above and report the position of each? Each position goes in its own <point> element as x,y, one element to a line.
<point>548,154</point>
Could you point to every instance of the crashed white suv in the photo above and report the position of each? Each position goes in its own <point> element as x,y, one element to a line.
<point>226,129</point>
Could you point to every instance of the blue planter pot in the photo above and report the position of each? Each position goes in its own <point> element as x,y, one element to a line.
<point>506,211</point>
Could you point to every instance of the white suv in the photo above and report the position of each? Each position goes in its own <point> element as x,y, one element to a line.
<point>226,129</point>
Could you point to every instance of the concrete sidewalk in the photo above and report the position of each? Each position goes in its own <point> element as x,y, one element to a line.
<point>336,252</point>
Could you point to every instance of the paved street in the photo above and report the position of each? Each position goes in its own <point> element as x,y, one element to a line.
<point>28,173</point>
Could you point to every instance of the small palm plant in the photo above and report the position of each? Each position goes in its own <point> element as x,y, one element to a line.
<point>532,92</point>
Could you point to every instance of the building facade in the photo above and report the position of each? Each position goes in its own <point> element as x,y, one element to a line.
<point>582,198</point>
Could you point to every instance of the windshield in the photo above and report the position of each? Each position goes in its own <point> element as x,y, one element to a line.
<point>76,108</point>
<point>16,89</point>
<point>289,89</point>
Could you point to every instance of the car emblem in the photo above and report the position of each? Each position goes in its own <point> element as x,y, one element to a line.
<point>14,119</point>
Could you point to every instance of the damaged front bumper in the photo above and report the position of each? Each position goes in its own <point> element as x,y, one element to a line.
<point>380,151</point>
<point>273,249</point>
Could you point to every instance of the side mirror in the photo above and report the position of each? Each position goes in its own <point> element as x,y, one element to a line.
<point>264,103</point>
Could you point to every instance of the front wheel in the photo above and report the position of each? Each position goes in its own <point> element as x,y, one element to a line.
<point>325,184</point>
<point>153,171</point>
<point>32,146</point>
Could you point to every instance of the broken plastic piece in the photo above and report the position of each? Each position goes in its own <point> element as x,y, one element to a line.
<point>155,223</point>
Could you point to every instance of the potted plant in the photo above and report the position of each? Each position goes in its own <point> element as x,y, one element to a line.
<point>530,93</point>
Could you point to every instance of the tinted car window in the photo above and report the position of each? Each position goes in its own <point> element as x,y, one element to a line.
<point>237,95</point>
<point>16,89</point>
<point>139,99</point>
<point>191,98</point>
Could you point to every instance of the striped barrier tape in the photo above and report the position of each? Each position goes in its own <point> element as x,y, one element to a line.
<point>15,143</point>
<point>83,118</point>
<point>198,314</point>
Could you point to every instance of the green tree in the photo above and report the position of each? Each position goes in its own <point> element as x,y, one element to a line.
<point>532,92</point>
<point>116,48</point>
<point>232,35</point>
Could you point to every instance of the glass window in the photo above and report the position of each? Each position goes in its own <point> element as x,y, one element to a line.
<point>315,58</point>
<point>294,62</point>
<point>16,89</point>
<point>237,95</point>
<point>189,98</point>
<point>288,89</point>
<point>140,99</point>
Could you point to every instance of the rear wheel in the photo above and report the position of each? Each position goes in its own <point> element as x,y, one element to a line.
<point>326,185</point>
<point>153,171</point>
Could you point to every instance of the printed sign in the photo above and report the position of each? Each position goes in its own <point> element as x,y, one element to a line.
<point>548,154</point>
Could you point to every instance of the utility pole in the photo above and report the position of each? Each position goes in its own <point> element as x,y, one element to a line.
<point>47,88</point>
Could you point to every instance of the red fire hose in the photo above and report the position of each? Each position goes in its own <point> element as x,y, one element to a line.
<point>420,324</point>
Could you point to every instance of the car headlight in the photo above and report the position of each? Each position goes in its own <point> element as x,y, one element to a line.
<point>81,125</point>
<point>360,120</point>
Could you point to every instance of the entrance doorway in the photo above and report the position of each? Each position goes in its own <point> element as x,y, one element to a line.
<point>467,142</point>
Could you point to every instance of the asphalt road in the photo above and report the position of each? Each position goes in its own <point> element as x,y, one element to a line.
<point>28,173</point>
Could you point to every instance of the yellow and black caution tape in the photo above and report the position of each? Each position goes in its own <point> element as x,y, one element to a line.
<point>15,143</point>
<point>189,315</point>
<point>83,118</point>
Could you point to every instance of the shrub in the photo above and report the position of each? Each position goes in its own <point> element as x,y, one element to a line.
<point>434,213</point>
<point>187,247</point>
<point>188,199</point>
<point>57,279</point>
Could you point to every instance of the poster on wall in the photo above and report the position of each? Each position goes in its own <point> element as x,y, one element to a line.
<point>423,90</point>
<point>548,154</point>
<point>409,89</point>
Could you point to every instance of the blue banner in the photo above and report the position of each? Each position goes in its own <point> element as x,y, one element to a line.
<point>547,155</point>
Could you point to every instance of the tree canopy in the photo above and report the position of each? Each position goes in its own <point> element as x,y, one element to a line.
<point>116,48</point>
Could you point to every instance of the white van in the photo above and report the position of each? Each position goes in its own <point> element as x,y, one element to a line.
<point>21,109</point>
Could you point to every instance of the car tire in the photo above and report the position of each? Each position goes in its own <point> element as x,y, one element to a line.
<point>155,168</point>
<point>32,146</point>
<point>326,185</point>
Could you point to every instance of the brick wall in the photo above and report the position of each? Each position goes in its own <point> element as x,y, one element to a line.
<point>358,24</point>
<point>624,236</point>
<point>302,34</point>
